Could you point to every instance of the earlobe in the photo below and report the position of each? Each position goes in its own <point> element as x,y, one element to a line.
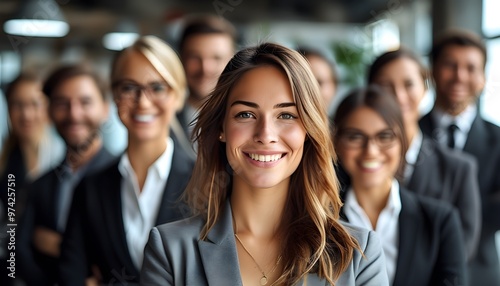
<point>222,138</point>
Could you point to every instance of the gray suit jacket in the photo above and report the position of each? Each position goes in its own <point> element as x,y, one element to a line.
<point>175,255</point>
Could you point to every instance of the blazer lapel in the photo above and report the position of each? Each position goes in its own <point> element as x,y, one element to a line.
<point>218,253</point>
<point>408,225</point>
<point>172,207</point>
<point>423,168</point>
<point>111,203</point>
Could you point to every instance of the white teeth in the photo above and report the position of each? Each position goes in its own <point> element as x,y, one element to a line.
<point>144,117</point>
<point>371,164</point>
<point>265,158</point>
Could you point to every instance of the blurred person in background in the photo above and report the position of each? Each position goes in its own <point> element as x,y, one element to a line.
<point>421,236</point>
<point>458,64</point>
<point>114,209</point>
<point>78,107</point>
<point>206,45</point>
<point>431,170</point>
<point>30,149</point>
<point>325,73</point>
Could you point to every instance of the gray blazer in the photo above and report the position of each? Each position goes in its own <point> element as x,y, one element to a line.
<point>175,255</point>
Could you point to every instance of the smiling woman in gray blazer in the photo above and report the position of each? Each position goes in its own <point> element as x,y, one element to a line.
<point>264,190</point>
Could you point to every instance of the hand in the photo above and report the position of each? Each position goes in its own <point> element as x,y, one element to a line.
<point>47,241</point>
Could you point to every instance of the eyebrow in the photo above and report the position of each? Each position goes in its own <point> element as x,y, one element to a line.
<point>255,105</point>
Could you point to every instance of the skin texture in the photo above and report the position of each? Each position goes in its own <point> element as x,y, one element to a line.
<point>28,112</point>
<point>256,124</point>
<point>402,78</point>
<point>78,110</point>
<point>204,57</point>
<point>459,78</point>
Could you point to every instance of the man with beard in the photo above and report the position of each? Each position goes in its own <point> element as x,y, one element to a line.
<point>207,44</point>
<point>458,63</point>
<point>77,107</point>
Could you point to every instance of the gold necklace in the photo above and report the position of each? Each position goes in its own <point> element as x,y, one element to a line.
<point>263,279</point>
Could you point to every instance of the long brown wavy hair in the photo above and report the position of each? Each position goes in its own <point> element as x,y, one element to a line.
<point>320,243</point>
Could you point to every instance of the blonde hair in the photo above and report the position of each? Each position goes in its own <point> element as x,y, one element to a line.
<point>164,60</point>
<point>320,242</point>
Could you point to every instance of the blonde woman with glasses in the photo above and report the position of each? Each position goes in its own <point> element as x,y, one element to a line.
<point>114,210</point>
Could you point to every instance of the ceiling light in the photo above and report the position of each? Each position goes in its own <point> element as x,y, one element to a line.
<point>125,34</point>
<point>37,18</point>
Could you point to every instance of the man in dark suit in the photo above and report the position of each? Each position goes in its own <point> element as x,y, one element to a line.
<point>77,106</point>
<point>458,60</point>
<point>207,44</point>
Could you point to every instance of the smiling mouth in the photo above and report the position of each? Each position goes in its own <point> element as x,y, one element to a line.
<point>265,158</point>
<point>144,118</point>
<point>371,164</point>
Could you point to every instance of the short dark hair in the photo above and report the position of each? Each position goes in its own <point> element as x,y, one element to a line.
<point>460,38</point>
<point>308,52</point>
<point>204,25</point>
<point>387,57</point>
<point>67,72</point>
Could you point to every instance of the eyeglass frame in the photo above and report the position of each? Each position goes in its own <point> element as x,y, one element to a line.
<point>365,139</point>
<point>139,90</point>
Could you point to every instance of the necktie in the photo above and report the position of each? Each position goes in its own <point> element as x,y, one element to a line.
<point>451,135</point>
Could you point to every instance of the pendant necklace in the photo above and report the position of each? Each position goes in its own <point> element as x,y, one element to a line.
<point>263,279</point>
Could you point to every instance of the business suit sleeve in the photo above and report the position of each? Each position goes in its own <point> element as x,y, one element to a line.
<point>469,201</point>
<point>450,267</point>
<point>28,268</point>
<point>156,269</point>
<point>371,268</point>
<point>73,267</point>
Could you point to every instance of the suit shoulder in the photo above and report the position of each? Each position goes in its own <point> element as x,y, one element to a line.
<point>185,229</point>
<point>362,235</point>
<point>453,158</point>
<point>435,210</point>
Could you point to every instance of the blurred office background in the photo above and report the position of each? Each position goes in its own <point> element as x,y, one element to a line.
<point>350,32</point>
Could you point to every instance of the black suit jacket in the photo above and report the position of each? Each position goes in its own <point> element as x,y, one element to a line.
<point>431,251</point>
<point>450,176</point>
<point>483,142</point>
<point>35,267</point>
<point>95,240</point>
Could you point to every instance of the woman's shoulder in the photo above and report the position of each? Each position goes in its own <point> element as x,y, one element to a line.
<point>188,228</point>
<point>368,263</point>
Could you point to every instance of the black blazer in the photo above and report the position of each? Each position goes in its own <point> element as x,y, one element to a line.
<point>95,236</point>
<point>35,267</point>
<point>431,250</point>
<point>483,142</point>
<point>450,176</point>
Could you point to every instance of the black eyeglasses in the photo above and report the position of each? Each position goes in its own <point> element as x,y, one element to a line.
<point>355,139</point>
<point>130,91</point>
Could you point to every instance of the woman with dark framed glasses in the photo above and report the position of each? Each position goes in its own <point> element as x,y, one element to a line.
<point>114,210</point>
<point>421,237</point>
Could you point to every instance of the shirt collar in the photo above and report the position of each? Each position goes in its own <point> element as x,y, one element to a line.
<point>161,166</point>
<point>393,203</point>
<point>414,149</point>
<point>464,120</point>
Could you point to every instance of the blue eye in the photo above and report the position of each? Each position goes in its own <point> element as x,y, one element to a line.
<point>287,116</point>
<point>244,115</point>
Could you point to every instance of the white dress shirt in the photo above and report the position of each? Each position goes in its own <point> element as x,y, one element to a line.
<point>464,122</point>
<point>412,155</point>
<point>387,224</point>
<point>140,209</point>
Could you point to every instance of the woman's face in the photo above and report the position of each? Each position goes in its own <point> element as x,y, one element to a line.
<point>145,102</point>
<point>262,130</point>
<point>402,77</point>
<point>368,148</point>
<point>28,110</point>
